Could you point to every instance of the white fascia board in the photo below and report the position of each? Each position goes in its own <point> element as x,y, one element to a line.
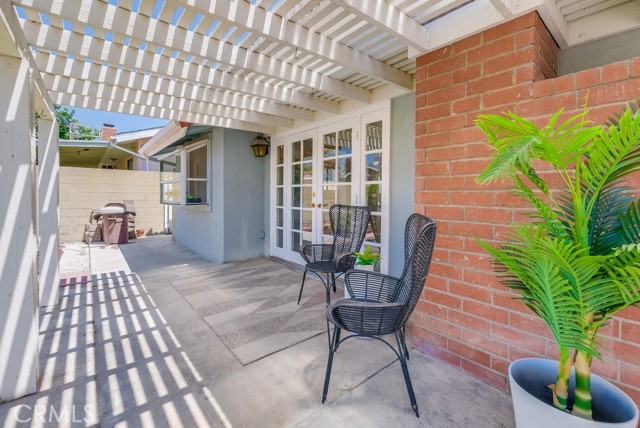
<point>84,143</point>
<point>125,137</point>
<point>171,132</point>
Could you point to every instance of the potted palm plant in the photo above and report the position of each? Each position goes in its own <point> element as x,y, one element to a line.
<point>574,261</point>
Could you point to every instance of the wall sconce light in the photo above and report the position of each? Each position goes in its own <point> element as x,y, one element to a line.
<point>260,146</point>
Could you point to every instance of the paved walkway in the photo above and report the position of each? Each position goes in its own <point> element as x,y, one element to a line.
<point>128,349</point>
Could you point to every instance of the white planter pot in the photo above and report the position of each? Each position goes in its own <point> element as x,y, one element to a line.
<point>359,267</point>
<point>529,379</point>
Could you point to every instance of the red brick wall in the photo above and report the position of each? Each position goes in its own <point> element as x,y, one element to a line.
<point>466,317</point>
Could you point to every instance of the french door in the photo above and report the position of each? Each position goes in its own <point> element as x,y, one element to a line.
<point>297,219</point>
<point>338,163</point>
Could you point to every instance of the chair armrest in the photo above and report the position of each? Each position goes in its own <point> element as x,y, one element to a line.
<point>315,252</point>
<point>344,261</point>
<point>364,284</point>
<point>365,317</point>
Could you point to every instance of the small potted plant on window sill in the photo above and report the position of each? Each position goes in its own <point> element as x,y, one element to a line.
<point>192,199</point>
<point>365,260</point>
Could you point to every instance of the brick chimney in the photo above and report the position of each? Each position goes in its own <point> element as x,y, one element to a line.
<point>107,131</point>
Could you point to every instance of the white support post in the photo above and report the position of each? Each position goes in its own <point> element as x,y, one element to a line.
<point>18,284</point>
<point>48,196</point>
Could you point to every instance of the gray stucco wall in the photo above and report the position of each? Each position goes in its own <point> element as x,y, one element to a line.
<point>605,51</point>
<point>200,229</point>
<point>403,124</point>
<point>231,229</point>
<point>243,197</point>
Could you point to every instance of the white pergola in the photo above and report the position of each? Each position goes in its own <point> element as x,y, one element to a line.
<point>259,65</point>
<point>265,65</point>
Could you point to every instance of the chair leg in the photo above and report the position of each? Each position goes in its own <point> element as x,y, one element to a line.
<point>332,349</point>
<point>304,275</point>
<point>405,372</point>
<point>404,342</point>
<point>333,281</point>
<point>327,289</point>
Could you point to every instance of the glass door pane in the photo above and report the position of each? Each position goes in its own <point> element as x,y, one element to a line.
<point>302,193</point>
<point>279,235</point>
<point>373,182</point>
<point>337,169</point>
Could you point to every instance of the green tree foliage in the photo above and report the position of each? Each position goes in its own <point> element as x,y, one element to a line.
<point>70,127</point>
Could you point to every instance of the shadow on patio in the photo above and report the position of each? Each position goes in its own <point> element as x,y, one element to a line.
<point>162,337</point>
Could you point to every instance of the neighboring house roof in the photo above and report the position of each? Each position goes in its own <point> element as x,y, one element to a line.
<point>87,154</point>
<point>92,154</point>
<point>130,136</point>
<point>172,135</point>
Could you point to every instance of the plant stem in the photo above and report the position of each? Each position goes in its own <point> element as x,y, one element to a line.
<point>561,387</point>
<point>582,405</point>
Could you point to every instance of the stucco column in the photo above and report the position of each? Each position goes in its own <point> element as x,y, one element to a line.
<point>18,286</point>
<point>48,196</point>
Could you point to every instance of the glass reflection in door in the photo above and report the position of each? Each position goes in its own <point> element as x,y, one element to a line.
<point>280,196</point>
<point>336,174</point>
<point>373,183</point>
<point>301,193</point>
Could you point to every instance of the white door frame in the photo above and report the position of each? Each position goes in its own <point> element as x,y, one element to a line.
<point>359,118</point>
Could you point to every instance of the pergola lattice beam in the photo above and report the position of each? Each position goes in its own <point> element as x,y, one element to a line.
<point>61,66</point>
<point>389,19</point>
<point>273,27</point>
<point>117,106</point>
<point>100,51</point>
<point>162,34</point>
<point>162,97</point>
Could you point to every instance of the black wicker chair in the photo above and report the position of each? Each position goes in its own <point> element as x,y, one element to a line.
<point>382,304</point>
<point>348,226</point>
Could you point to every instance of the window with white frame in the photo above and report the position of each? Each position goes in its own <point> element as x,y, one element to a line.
<point>184,176</point>
<point>197,175</point>
<point>171,179</point>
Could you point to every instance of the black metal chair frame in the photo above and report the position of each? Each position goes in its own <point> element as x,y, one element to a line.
<point>335,259</point>
<point>382,304</point>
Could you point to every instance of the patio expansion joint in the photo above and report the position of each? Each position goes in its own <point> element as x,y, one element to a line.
<point>343,391</point>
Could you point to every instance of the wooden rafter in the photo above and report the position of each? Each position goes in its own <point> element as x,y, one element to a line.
<point>271,26</point>
<point>164,35</point>
<point>390,19</point>
<point>99,51</point>
<point>57,65</point>
<point>162,96</point>
<point>118,106</point>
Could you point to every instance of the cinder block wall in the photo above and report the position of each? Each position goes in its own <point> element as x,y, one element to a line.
<point>82,189</point>
<point>466,317</point>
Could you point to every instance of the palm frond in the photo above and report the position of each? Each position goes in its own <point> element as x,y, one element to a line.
<point>614,154</point>
<point>630,224</point>
<point>538,280</point>
<point>542,210</point>
<point>615,219</point>
<point>633,105</point>
<point>569,140</point>
<point>624,271</point>
<point>513,139</point>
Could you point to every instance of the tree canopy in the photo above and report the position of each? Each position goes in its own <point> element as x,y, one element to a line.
<point>70,127</point>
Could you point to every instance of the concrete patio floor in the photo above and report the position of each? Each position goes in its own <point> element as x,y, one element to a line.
<point>126,349</point>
